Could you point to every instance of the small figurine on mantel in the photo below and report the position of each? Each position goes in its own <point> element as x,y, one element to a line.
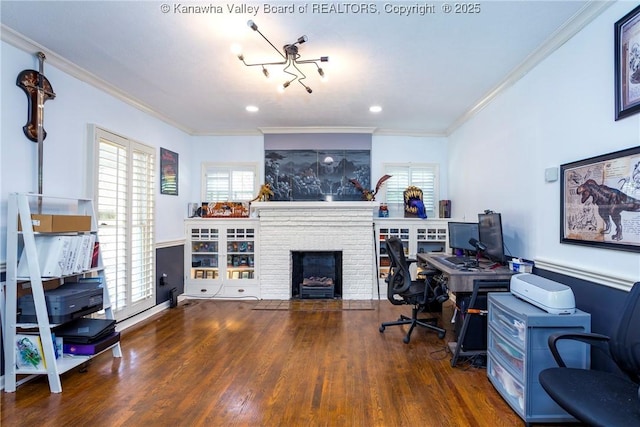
<point>413,205</point>
<point>264,194</point>
<point>369,195</point>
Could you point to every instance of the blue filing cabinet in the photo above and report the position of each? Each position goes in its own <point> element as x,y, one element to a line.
<point>517,351</point>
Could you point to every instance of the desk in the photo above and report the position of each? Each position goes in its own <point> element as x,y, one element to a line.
<point>462,280</point>
<point>474,281</point>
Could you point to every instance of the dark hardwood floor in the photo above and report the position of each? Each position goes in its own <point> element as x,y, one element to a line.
<point>222,363</point>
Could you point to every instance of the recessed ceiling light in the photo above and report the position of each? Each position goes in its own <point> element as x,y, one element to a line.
<point>252,108</point>
<point>375,108</point>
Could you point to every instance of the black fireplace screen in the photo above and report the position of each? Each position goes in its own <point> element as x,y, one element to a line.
<point>316,274</point>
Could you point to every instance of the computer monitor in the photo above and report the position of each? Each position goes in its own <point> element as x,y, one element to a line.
<point>490,234</point>
<point>460,233</point>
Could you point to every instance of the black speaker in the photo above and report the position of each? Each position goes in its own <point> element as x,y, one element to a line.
<point>173,297</point>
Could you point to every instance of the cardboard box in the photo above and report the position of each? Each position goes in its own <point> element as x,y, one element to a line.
<point>43,223</point>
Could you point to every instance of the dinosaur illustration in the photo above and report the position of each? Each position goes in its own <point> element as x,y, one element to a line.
<point>611,203</point>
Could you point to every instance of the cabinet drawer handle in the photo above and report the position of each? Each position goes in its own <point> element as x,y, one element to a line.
<point>240,290</point>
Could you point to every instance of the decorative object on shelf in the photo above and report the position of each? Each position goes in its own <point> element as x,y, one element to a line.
<point>194,210</point>
<point>600,199</point>
<point>29,352</point>
<point>383,211</point>
<point>627,64</point>
<point>291,60</point>
<point>413,205</point>
<point>225,210</point>
<point>264,194</point>
<point>369,195</point>
<point>168,172</point>
<point>445,208</point>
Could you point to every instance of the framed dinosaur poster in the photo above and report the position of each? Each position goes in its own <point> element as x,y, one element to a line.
<point>600,201</point>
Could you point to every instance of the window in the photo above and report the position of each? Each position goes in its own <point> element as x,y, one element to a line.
<point>228,182</point>
<point>124,196</point>
<point>423,176</point>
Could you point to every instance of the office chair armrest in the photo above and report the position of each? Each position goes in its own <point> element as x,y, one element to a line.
<point>589,338</point>
<point>411,260</point>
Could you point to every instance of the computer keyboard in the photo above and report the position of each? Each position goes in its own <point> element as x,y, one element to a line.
<point>460,260</point>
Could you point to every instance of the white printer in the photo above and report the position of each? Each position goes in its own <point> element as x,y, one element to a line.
<point>552,297</point>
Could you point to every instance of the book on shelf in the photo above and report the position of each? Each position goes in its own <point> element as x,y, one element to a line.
<point>61,255</point>
<point>95,254</point>
<point>29,354</point>
<point>52,254</point>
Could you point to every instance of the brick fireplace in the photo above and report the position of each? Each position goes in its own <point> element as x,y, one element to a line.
<point>287,227</point>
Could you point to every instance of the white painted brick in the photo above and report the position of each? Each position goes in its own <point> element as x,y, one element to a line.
<point>318,227</point>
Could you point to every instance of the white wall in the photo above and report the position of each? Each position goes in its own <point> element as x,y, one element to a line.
<point>223,149</point>
<point>384,149</point>
<point>66,147</point>
<point>400,149</point>
<point>560,112</point>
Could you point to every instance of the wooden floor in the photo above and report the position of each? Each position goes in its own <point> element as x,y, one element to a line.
<point>222,363</point>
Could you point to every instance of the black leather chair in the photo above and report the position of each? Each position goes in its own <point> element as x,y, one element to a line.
<point>418,293</point>
<point>596,397</point>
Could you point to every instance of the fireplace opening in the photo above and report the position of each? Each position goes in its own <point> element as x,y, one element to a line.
<point>316,274</point>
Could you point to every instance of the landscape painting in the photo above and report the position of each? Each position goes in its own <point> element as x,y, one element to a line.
<point>307,175</point>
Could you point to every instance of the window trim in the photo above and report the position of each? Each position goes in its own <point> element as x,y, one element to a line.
<point>205,166</point>
<point>410,165</point>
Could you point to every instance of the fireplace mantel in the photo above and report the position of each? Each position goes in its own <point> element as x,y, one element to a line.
<point>256,207</point>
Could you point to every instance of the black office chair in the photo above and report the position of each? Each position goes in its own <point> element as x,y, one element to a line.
<point>402,290</point>
<point>597,397</point>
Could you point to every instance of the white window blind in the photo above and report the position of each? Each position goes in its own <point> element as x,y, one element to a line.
<point>229,182</point>
<point>423,176</point>
<point>125,199</point>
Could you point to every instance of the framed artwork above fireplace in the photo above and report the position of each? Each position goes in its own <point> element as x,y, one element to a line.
<point>297,175</point>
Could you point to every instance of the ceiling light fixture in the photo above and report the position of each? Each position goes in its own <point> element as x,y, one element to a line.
<point>291,60</point>
<point>375,108</point>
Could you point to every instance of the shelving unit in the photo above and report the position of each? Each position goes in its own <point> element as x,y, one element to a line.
<point>418,236</point>
<point>21,239</point>
<point>222,260</point>
<point>518,350</point>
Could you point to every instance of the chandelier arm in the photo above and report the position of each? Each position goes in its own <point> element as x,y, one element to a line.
<point>264,63</point>
<point>309,61</point>
<point>304,76</point>
<point>275,48</point>
<point>289,64</point>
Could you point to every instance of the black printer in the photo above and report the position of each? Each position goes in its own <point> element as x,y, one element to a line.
<point>65,303</point>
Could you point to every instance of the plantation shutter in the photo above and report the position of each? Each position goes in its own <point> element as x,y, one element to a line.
<point>125,200</point>
<point>425,177</point>
<point>229,183</point>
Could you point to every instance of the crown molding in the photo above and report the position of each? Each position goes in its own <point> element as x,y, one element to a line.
<point>317,129</point>
<point>581,19</point>
<point>25,44</point>
<point>415,133</point>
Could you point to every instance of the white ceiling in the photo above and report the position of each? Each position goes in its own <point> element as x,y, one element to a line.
<point>428,72</point>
